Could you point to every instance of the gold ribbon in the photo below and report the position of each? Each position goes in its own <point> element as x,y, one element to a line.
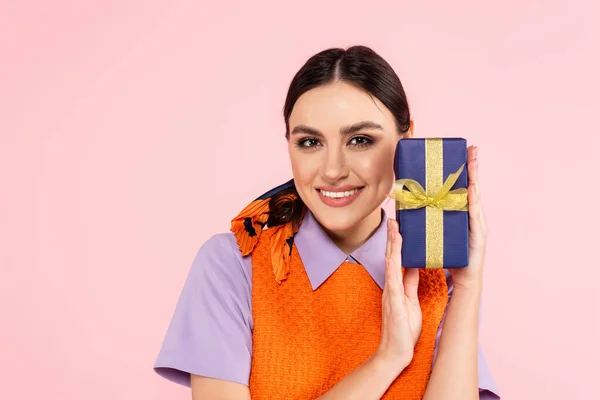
<point>437,198</point>
<point>417,197</point>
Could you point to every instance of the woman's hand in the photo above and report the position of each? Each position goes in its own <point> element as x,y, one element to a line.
<point>401,311</point>
<point>472,276</point>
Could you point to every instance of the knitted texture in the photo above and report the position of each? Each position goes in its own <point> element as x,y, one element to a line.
<point>305,341</point>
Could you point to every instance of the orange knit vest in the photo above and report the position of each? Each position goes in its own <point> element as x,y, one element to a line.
<point>305,341</point>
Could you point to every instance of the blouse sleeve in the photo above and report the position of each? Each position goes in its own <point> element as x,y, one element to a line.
<point>210,333</point>
<point>487,386</point>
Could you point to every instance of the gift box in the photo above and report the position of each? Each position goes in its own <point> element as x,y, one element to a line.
<point>431,202</point>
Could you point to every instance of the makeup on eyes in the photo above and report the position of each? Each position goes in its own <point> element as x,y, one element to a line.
<point>364,141</point>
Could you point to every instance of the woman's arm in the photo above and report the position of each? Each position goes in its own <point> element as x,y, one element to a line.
<point>204,388</point>
<point>454,374</point>
<point>368,381</point>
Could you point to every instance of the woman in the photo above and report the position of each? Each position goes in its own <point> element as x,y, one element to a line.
<point>316,304</point>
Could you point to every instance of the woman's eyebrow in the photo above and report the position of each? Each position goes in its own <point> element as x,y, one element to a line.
<point>306,130</point>
<point>359,126</point>
<point>347,130</point>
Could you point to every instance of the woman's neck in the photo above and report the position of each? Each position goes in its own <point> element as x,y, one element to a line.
<point>351,239</point>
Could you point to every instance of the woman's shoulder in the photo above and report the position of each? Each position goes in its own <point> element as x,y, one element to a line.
<point>220,258</point>
<point>222,244</point>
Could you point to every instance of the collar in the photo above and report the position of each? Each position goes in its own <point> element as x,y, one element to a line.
<point>321,257</point>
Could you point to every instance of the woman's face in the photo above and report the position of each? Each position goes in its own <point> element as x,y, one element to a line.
<point>341,144</point>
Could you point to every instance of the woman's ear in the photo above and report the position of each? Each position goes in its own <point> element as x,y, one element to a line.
<point>411,131</point>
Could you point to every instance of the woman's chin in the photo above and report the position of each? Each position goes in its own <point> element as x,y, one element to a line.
<point>340,221</point>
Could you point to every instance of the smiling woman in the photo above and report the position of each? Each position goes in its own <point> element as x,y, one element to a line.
<point>343,138</point>
<point>306,297</point>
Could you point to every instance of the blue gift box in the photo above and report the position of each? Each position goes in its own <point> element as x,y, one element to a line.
<point>433,235</point>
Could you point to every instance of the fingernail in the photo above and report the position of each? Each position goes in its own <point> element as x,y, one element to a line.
<point>476,187</point>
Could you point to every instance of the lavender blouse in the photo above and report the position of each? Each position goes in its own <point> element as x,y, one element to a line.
<point>210,333</point>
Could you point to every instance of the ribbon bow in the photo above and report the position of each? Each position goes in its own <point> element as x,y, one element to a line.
<point>417,197</point>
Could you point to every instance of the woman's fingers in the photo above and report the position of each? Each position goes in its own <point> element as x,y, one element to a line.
<point>477,223</point>
<point>409,277</point>
<point>390,278</point>
<point>471,159</point>
<point>396,243</point>
<point>392,260</point>
<point>411,283</point>
<point>388,243</point>
<point>476,216</point>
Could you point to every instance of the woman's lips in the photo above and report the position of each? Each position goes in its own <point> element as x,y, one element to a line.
<point>347,196</point>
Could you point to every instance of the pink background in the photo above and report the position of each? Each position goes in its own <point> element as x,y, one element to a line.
<point>131,131</point>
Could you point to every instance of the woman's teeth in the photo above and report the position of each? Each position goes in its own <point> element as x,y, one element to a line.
<point>338,195</point>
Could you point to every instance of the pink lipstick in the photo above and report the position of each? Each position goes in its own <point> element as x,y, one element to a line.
<point>339,196</point>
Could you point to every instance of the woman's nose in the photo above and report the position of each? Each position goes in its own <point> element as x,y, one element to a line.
<point>335,166</point>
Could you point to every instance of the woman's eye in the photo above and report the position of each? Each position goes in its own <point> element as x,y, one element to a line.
<point>360,141</point>
<point>308,142</point>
